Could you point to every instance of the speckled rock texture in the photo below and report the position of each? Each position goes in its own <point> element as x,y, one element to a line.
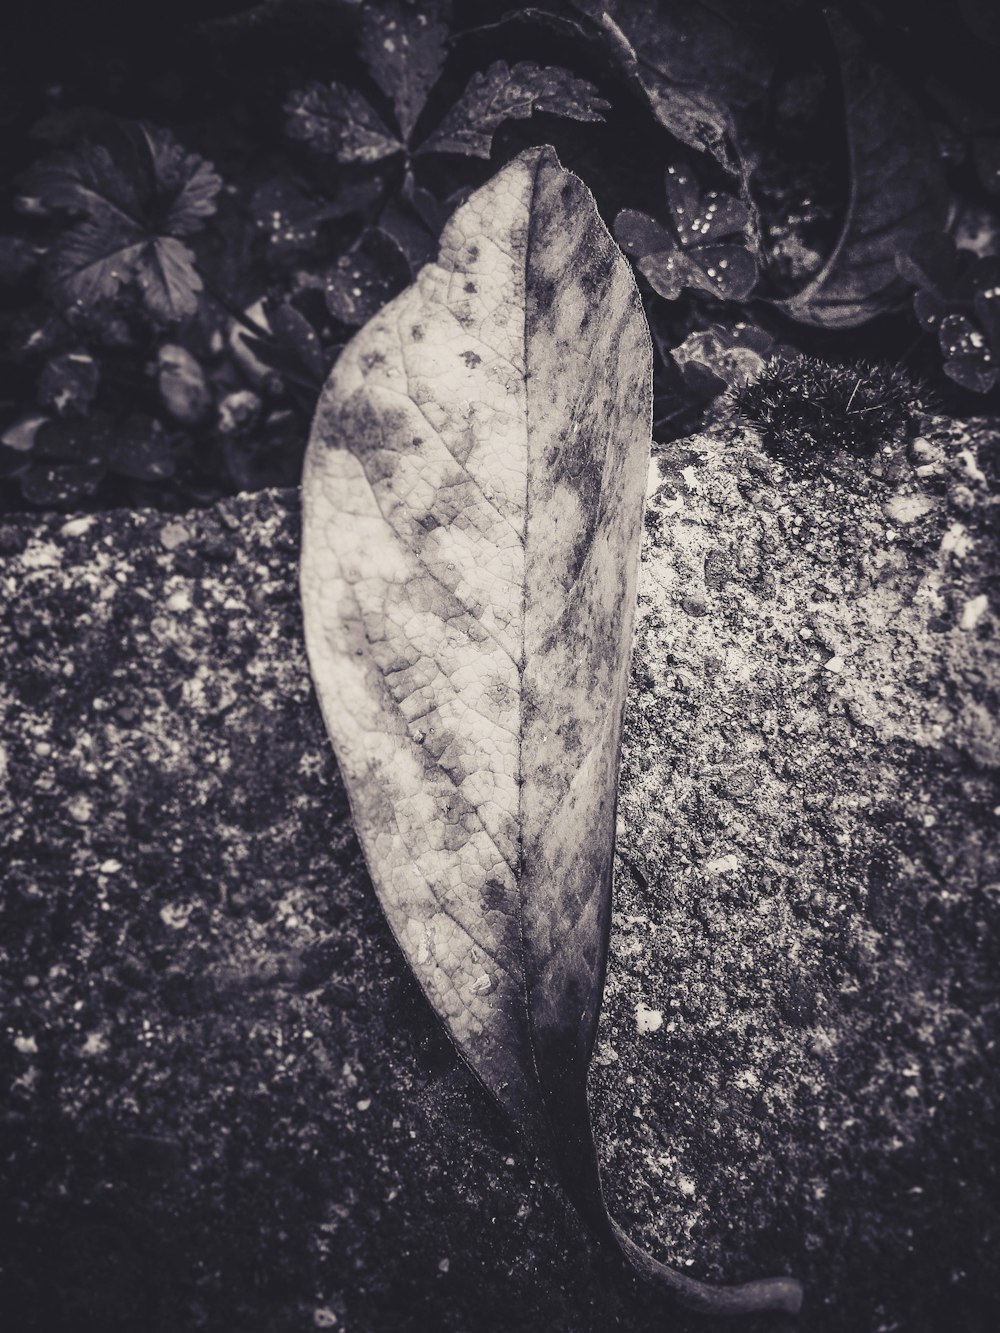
<point>226,1104</point>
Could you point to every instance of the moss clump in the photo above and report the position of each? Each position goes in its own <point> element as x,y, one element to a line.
<point>806,409</point>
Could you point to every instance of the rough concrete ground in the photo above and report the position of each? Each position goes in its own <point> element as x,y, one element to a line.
<point>226,1104</point>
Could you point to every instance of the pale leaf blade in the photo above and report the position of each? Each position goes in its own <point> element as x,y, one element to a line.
<point>472,511</point>
<point>417,511</point>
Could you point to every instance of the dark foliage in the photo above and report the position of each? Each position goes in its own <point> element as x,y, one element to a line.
<point>203,208</point>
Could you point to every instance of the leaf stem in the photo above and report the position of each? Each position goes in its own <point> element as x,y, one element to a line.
<point>770,1293</point>
<point>234,312</point>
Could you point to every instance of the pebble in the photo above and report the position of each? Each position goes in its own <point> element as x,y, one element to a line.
<point>80,809</point>
<point>973,612</point>
<point>182,384</point>
<point>21,436</point>
<point>904,509</point>
<point>646,1019</point>
<point>835,665</point>
<point>76,527</point>
<point>238,412</point>
<point>174,535</point>
<point>722,864</point>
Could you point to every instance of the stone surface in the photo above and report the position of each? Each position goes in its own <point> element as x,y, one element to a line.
<point>226,1103</point>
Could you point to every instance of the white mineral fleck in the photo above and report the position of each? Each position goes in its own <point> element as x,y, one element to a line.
<point>646,1019</point>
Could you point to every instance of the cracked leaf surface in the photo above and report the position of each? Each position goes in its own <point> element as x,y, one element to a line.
<point>473,498</point>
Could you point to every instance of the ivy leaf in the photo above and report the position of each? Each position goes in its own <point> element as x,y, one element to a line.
<point>897,190</point>
<point>472,493</point>
<point>515,92</point>
<point>136,195</point>
<point>728,272</point>
<point>338,120</point>
<point>405,51</point>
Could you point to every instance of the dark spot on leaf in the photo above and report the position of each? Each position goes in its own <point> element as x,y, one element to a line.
<point>494,894</point>
<point>541,296</point>
<point>417,332</point>
<point>470,287</point>
<point>471,359</point>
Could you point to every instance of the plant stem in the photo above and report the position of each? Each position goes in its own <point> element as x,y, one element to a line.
<point>233,310</point>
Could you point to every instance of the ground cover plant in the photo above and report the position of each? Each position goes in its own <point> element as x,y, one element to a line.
<point>195,225</point>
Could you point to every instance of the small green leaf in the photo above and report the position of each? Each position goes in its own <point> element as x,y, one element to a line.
<point>136,195</point>
<point>969,359</point>
<point>515,92</point>
<point>405,51</point>
<point>60,485</point>
<point>338,120</point>
<point>701,218</point>
<point>169,280</point>
<point>728,272</point>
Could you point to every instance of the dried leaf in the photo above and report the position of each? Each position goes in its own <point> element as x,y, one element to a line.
<point>696,63</point>
<point>473,494</point>
<point>897,190</point>
<point>338,120</point>
<point>405,51</point>
<point>515,92</point>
